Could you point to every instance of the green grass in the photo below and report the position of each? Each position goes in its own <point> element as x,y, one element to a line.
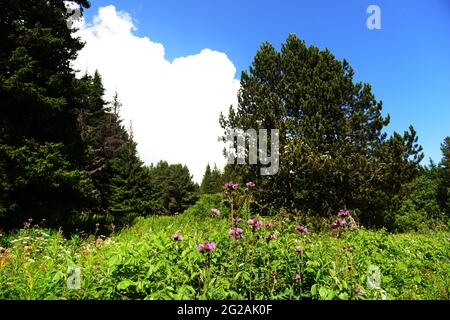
<point>144,262</point>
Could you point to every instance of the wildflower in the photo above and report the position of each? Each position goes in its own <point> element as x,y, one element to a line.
<point>343,223</point>
<point>299,250</point>
<point>250,184</point>
<point>215,212</point>
<point>231,185</point>
<point>254,223</point>
<point>301,229</point>
<point>206,246</point>
<point>335,224</point>
<point>268,225</point>
<point>297,277</point>
<point>271,237</point>
<point>27,224</point>
<point>210,246</point>
<point>343,213</point>
<point>177,237</point>
<point>359,292</point>
<point>235,233</point>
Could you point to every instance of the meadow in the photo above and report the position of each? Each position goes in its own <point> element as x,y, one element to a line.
<point>204,254</point>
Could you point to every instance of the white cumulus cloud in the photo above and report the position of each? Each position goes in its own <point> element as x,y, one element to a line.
<point>174,106</point>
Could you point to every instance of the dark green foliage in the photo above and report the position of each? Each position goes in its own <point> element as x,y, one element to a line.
<point>174,188</point>
<point>111,161</point>
<point>38,182</point>
<point>66,156</point>
<point>41,148</point>
<point>202,208</point>
<point>419,206</point>
<point>444,178</point>
<point>64,153</point>
<point>333,152</point>
<point>36,80</point>
<point>212,181</point>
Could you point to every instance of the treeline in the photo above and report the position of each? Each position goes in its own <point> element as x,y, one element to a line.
<point>66,158</point>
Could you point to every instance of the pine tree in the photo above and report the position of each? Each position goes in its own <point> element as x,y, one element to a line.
<point>174,188</point>
<point>111,161</point>
<point>212,181</point>
<point>205,185</point>
<point>333,152</point>
<point>40,146</point>
<point>216,180</point>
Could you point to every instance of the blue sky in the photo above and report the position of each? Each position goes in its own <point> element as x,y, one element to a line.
<point>407,62</point>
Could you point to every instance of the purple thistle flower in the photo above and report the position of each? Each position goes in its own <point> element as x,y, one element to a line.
<point>235,233</point>
<point>301,229</point>
<point>206,246</point>
<point>343,223</point>
<point>299,250</point>
<point>257,224</point>
<point>250,222</point>
<point>215,212</point>
<point>177,237</point>
<point>343,213</point>
<point>250,184</point>
<point>297,277</point>
<point>231,184</point>
<point>210,246</point>
<point>360,293</point>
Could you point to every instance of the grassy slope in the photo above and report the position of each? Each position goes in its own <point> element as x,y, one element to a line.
<point>144,262</point>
